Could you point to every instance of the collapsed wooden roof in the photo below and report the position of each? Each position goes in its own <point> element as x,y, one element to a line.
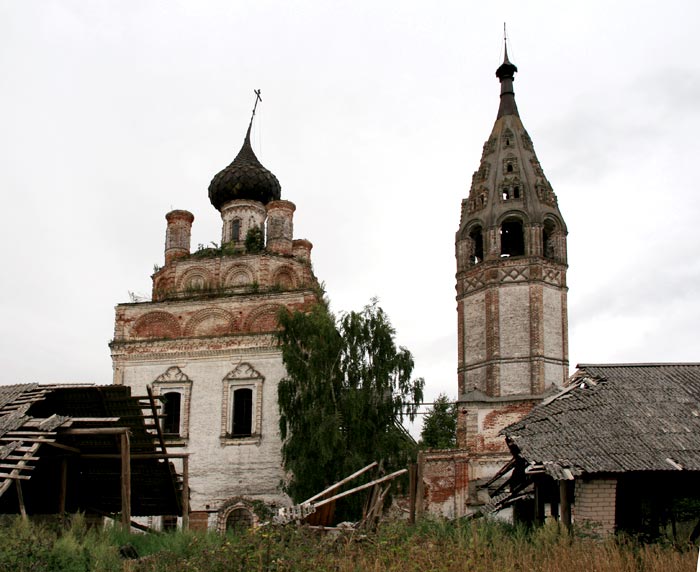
<point>61,443</point>
<point>615,418</point>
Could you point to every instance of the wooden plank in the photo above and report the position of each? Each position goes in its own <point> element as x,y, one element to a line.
<point>137,456</point>
<point>96,431</point>
<point>22,433</point>
<point>14,477</point>
<point>185,494</point>
<point>413,471</point>
<point>419,485</point>
<point>126,480</point>
<point>95,419</point>
<point>20,500</point>
<point>62,491</point>
<point>565,502</point>
<point>16,467</point>
<point>64,447</point>
<point>154,411</point>
<point>26,439</point>
<point>361,487</point>
<point>340,483</point>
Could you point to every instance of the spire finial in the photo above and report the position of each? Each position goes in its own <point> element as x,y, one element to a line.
<point>255,106</point>
<point>505,45</point>
<point>505,74</point>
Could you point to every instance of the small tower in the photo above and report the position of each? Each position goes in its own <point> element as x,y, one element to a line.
<point>511,287</point>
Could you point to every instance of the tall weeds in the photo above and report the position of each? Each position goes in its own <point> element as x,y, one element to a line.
<point>429,545</point>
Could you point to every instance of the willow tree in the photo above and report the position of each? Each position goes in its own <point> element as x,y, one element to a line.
<point>347,388</point>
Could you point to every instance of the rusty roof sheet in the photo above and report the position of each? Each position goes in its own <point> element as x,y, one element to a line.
<point>615,418</point>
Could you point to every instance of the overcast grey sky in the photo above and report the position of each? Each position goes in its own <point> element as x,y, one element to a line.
<point>373,117</point>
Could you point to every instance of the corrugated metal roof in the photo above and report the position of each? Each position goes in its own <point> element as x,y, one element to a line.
<point>615,418</point>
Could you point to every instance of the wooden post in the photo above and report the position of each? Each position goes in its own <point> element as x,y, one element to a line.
<point>539,503</point>
<point>419,485</point>
<point>126,481</point>
<point>63,486</point>
<point>185,493</point>
<point>20,498</point>
<point>412,493</point>
<point>565,502</point>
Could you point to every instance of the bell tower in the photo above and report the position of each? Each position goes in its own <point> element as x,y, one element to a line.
<point>511,285</point>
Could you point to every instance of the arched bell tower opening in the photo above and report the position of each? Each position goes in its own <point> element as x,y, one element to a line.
<point>512,237</point>
<point>511,289</point>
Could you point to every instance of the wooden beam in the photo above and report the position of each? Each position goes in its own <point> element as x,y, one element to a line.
<point>361,487</point>
<point>26,439</point>
<point>419,485</point>
<point>539,503</point>
<point>20,499</point>
<point>340,483</point>
<point>412,473</point>
<point>64,447</point>
<point>96,431</point>
<point>22,433</point>
<point>136,456</point>
<point>16,467</point>
<point>126,480</point>
<point>62,491</point>
<point>14,477</point>
<point>95,419</point>
<point>565,502</point>
<point>185,494</point>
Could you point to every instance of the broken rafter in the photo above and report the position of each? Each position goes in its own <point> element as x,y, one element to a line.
<point>361,487</point>
<point>340,483</point>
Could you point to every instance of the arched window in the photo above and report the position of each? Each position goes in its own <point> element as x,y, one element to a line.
<point>242,422</point>
<point>239,520</point>
<point>171,410</point>
<point>548,245</point>
<point>236,229</point>
<point>477,237</point>
<point>512,238</point>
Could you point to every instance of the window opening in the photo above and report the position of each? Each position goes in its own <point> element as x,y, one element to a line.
<point>236,229</point>
<point>509,168</point>
<point>516,192</point>
<point>242,422</point>
<point>478,242</point>
<point>505,194</point>
<point>548,239</point>
<point>239,520</point>
<point>512,238</point>
<point>171,410</point>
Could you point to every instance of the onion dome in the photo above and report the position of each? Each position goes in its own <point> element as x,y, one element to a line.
<point>245,178</point>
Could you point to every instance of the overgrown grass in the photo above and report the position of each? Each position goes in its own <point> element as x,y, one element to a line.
<point>435,546</point>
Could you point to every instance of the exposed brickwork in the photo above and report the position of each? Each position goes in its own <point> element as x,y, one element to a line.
<point>511,287</point>
<point>199,520</point>
<point>445,483</point>
<point>210,331</point>
<point>594,504</point>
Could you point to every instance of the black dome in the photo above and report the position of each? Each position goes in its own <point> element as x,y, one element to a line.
<point>244,178</point>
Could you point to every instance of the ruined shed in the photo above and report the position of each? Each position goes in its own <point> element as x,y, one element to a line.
<point>618,449</point>
<point>68,448</point>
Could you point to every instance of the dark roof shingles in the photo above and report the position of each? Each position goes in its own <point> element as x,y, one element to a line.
<point>620,418</point>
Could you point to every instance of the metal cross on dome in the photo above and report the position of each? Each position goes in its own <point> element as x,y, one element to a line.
<point>257,98</point>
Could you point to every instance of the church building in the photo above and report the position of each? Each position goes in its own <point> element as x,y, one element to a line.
<point>206,343</point>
